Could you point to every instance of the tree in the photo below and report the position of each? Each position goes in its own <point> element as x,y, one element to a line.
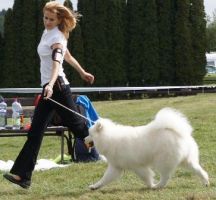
<point>17,21</point>
<point>182,44</point>
<point>1,59</point>
<point>115,70</point>
<point>7,71</point>
<point>77,50</point>
<point>2,14</point>
<point>143,44</point>
<point>1,24</point>
<point>165,35</point>
<point>198,38</point>
<point>28,49</point>
<point>93,37</point>
<point>211,37</point>
<point>68,4</point>
<point>103,38</point>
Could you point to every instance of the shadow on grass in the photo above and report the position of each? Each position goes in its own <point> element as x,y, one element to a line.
<point>77,193</point>
<point>91,193</point>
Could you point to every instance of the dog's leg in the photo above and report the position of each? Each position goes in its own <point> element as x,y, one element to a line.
<point>163,180</point>
<point>110,174</point>
<point>196,168</point>
<point>165,174</point>
<point>192,162</point>
<point>147,175</point>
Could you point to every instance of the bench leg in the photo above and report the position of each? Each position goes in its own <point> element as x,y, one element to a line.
<point>71,141</point>
<point>70,144</point>
<point>62,147</point>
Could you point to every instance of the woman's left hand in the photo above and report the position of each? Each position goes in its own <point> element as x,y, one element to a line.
<point>48,91</point>
<point>88,77</point>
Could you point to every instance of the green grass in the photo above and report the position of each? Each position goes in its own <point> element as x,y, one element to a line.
<point>209,79</point>
<point>72,182</point>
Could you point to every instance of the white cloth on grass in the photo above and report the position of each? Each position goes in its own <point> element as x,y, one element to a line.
<point>42,164</point>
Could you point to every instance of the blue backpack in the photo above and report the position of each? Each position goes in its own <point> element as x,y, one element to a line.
<point>80,152</point>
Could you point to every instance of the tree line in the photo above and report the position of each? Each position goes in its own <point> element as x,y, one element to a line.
<point>123,43</point>
<point>211,33</point>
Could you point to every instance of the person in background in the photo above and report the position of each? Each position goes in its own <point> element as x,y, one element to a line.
<point>52,50</point>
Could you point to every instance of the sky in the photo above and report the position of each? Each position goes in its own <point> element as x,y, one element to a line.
<point>210,5</point>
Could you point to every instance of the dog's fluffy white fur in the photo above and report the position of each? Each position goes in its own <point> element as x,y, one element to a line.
<point>161,145</point>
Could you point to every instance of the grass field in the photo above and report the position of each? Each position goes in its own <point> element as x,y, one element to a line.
<point>72,182</point>
<point>209,79</point>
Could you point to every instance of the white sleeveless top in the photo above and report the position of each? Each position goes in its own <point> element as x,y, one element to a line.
<point>49,38</point>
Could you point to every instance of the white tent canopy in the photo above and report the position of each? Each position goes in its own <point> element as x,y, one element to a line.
<point>211,58</point>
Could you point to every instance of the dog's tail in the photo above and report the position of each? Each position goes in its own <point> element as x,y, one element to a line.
<point>169,118</point>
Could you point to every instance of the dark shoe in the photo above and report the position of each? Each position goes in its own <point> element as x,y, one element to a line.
<point>22,183</point>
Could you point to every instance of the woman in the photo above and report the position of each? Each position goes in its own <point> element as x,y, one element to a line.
<point>52,49</point>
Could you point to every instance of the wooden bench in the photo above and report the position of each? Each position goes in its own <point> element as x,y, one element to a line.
<point>28,110</point>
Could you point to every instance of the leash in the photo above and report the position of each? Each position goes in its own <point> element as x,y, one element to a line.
<point>73,111</point>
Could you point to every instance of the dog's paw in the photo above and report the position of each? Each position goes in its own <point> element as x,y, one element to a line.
<point>151,186</point>
<point>157,186</point>
<point>93,187</point>
<point>207,184</point>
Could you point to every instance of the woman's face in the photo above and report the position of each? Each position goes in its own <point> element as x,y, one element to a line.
<point>50,20</point>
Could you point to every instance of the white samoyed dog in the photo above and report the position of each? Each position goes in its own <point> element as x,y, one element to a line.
<point>161,145</point>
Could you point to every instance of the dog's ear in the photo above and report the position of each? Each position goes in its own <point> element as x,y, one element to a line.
<point>99,126</point>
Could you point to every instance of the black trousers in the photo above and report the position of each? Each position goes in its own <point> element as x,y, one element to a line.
<point>26,160</point>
